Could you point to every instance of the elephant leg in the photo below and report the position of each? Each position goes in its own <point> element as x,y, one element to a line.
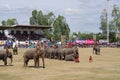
<point>36,62</point>
<point>50,56</point>
<point>53,55</point>
<point>14,53</point>
<point>47,55</point>
<point>43,61</point>
<point>99,52</point>
<point>93,51</point>
<point>5,60</point>
<point>25,62</point>
<point>96,52</point>
<point>63,56</point>
<point>60,57</point>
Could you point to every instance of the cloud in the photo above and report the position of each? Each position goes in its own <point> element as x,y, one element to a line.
<point>29,7</point>
<point>6,7</point>
<point>71,11</point>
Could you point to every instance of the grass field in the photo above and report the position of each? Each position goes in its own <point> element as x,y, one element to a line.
<point>104,67</point>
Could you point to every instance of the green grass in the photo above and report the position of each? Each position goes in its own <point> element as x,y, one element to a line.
<point>104,67</point>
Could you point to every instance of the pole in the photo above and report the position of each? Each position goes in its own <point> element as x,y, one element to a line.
<point>108,21</point>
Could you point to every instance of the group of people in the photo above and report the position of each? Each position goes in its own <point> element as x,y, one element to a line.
<point>21,36</point>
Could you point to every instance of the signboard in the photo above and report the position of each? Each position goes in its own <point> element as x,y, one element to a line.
<point>63,40</point>
<point>94,37</point>
<point>2,42</point>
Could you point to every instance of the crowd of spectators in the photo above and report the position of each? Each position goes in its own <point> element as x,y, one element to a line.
<point>2,36</point>
<point>22,36</point>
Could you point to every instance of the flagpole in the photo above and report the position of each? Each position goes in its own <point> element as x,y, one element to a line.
<point>108,21</point>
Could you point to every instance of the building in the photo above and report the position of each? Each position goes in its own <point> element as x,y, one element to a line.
<point>24,32</point>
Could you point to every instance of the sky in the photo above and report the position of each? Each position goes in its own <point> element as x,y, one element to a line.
<point>81,15</point>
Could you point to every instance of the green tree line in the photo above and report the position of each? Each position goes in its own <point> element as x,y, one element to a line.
<point>114,23</point>
<point>114,27</point>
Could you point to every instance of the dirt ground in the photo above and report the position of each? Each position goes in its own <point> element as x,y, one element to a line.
<point>104,67</point>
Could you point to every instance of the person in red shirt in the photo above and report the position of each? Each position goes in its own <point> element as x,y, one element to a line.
<point>90,59</point>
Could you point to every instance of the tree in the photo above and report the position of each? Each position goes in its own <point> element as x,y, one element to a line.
<point>116,19</point>
<point>114,24</point>
<point>38,18</point>
<point>9,22</point>
<point>112,37</point>
<point>33,19</point>
<point>59,24</point>
<point>103,18</point>
<point>60,28</point>
<point>4,23</point>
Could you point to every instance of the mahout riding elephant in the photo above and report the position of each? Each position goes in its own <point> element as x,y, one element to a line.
<point>34,53</point>
<point>4,55</point>
<point>96,49</point>
<point>71,57</point>
<point>15,50</point>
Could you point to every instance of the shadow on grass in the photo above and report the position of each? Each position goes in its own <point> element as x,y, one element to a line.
<point>35,66</point>
<point>6,65</point>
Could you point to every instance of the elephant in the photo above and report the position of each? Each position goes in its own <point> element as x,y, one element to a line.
<point>71,57</point>
<point>4,55</point>
<point>15,50</point>
<point>96,49</point>
<point>68,51</point>
<point>61,53</point>
<point>51,53</point>
<point>34,53</point>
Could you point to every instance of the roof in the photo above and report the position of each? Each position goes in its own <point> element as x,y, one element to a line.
<point>25,26</point>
